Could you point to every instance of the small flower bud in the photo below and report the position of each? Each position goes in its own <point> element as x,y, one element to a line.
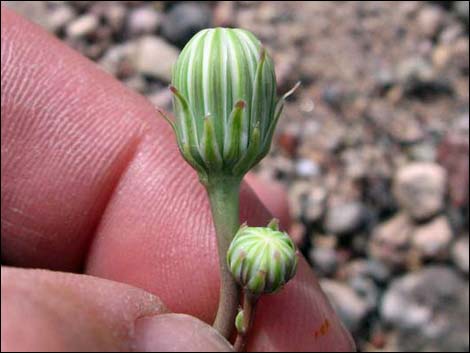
<point>240,323</point>
<point>262,259</point>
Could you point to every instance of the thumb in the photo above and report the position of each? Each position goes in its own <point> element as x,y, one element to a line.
<point>178,333</point>
<point>54,311</point>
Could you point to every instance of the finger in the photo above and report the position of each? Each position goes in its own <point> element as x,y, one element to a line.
<point>178,333</point>
<point>273,195</point>
<point>67,134</point>
<point>53,311</point>
<point>298,319</point>
<point>84,156</point>
<point>70,137</point>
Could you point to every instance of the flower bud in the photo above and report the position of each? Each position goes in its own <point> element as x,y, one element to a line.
<point>262,259</point>
<point>224,91</point>
<point>240,322</point>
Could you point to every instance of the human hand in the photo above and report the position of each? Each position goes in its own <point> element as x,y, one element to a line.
<point>92,183</point>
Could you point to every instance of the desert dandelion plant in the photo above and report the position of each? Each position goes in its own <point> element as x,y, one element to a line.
<point>226,111</point>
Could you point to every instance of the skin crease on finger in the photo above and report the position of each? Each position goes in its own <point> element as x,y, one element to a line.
<point>92,177</point>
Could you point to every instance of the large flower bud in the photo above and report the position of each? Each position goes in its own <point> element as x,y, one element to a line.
<point>262,259</point>
<point>225,102</point>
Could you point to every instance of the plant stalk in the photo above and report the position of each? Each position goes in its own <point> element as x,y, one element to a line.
<point>249,306</point>
<point>224,199</point>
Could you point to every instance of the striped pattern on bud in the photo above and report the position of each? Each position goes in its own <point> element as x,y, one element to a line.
<point>224,91</point>
<point>262,259</point>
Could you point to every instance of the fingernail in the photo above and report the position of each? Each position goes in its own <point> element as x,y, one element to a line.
<point>177,333</point>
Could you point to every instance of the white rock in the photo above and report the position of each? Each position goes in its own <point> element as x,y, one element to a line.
<point>350,307</point>
<point>419,189</point>
<point>344,218</point>
<point>143,20</point>
<point>82,26</point>
<point>59,17</point>
<point>155,57</point>
<point>306,168</point>
<point>430,20</point>
<point>433,238</point>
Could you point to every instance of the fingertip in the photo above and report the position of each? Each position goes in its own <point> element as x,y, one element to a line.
<point>299,318</point>
<point>177,333</point>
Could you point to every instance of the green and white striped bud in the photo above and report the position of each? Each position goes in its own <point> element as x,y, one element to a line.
<point>224,91</point>
<point>240,322</point>
<point>262,259</point>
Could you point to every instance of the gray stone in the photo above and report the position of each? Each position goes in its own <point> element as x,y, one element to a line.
<point>155,57</point>
<point>116,55</point>
<point>59,17</point>
<point>461,8</point>
<point>282,167</point>
<point>460,254</point>
<point>419,189</point>
<point>297,195</point>
<point>143,20</point>
<point>161,99</point>
<point>344,218</point>
<point>414,69</point>
<point>350,307</point>
<point>82,26</point>
<point>315,203</point>
<point>453,155</point>
<point>224,14</point>
<point>366,289</point>
<point>405,128</point>
<point>306,168</point>
<point>432,239</point>
<point>423,152</point>
<point>429,309</point>
<point>429,20</point>
<point>324,260</point>
<point>373,269</point>
<point>115,15</point>
<point>184,20</point>
<point>390,242</point>
<point>136,83</point>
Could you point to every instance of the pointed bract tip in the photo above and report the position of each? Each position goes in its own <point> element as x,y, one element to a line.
<point>173,89</point>
<point>167,119</point>
<point>292,90</point>
<point>262,53</point>
<point>244,225</point>
<point>240,104</point>
<point>273,224</point>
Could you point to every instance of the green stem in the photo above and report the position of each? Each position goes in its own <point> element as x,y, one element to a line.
<point>249,307</point>
<point>224,199</point>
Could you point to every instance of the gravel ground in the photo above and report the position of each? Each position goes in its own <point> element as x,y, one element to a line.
<point>373,149</point>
